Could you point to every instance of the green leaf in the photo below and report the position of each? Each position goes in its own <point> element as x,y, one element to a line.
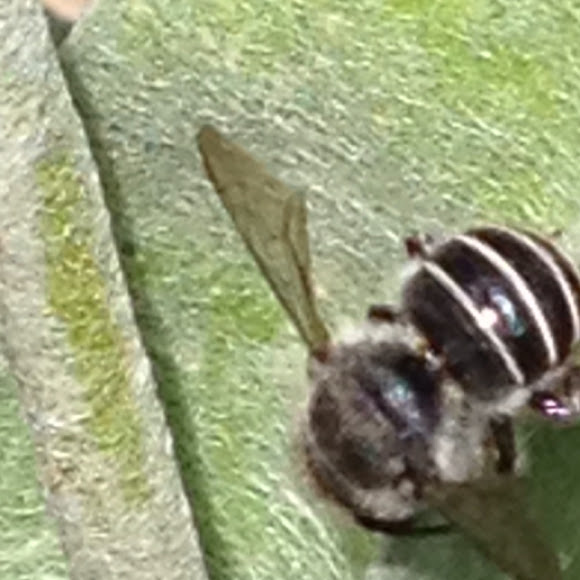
<point>391,118</point>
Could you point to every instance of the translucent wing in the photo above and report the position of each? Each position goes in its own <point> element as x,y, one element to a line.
<point>493,513</point>
<point>272,220</point>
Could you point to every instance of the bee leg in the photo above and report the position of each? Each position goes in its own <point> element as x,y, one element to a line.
<point>502,430</point>
<point>405,528</point>
<point>419,246</point>
<point>383,313</point>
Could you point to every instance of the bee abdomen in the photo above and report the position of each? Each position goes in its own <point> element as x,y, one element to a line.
<point>501,305</point>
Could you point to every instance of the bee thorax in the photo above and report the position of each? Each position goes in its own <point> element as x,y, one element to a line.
<point>457,445</point>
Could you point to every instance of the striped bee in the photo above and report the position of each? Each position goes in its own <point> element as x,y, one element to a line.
<point>502,308</point>
<point>390,427</point>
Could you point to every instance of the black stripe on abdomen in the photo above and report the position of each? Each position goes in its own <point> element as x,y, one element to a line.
<point>499,304</point>
<point>453,331</point>
<point>539,277</point>
<point>568,269</point>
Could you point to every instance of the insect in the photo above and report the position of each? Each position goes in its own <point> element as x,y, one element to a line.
<point>501,308</point>
<point>387,431</point>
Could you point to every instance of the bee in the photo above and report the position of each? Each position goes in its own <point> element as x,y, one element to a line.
<point>500,308</point>
<point>387,431</point>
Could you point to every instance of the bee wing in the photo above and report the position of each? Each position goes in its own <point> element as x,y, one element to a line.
<point>493,513</point>
<point>272,221</point>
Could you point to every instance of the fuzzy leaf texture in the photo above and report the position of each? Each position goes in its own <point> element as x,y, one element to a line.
<point>390,118</point>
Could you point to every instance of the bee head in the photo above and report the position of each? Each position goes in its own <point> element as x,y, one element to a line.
<point>373,409</point>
